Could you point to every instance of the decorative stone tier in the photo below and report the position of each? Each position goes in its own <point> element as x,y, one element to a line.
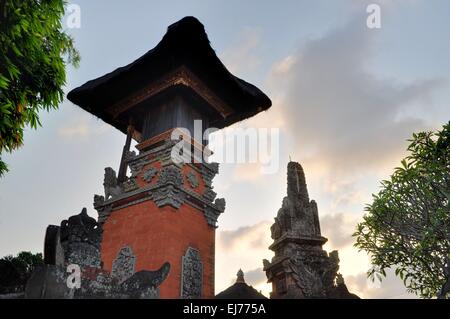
<point>306,241</point>
<point>156,177</point>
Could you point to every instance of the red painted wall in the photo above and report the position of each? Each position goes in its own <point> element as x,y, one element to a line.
<point>157,235</point>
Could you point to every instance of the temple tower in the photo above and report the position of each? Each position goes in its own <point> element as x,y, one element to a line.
<point>166,210</point>
<point>300,267</point>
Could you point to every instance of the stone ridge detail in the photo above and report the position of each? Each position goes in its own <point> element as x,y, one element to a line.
<point>169,188</point>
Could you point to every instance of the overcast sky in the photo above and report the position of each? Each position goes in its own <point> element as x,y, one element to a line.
<point>345,98</point>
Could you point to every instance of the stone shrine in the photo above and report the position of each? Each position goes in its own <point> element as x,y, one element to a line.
<point>300,267</point>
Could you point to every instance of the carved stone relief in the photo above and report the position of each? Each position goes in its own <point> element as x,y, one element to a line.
<point>192,179</point>
<point>149,174</point>
<point>112,188</point>
<point>192,274</point>
<point>172,175</point>
<point>124,264</point>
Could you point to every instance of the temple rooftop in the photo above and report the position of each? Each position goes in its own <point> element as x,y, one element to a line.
<point>183,62</point>
<point>240,290</point>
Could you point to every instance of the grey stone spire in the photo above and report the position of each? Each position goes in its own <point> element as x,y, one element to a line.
<point>300,267</point>
<point>298,217</point>
<point>296,185</point>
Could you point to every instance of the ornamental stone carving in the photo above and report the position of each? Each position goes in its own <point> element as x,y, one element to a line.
<point>80,238</point>
<point>209,195</point>
<point>168,195</point>
<point>173,187</point>
<point>136,165</point>
<point>112,188</point>
<point>171,175</point>
<point>123,266</point>
<point>192,179</point>
<point>149,174</point>
<point>213,212</point>
<point>191,274</point>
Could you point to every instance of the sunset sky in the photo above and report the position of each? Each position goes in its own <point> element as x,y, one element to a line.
<point>345,98</point>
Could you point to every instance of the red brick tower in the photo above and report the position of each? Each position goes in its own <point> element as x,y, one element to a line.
<point>166,211</point>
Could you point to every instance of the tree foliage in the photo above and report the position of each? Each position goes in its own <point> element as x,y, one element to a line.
<point>407,226</point>
<point>34,54</point>
<point>15,271</point>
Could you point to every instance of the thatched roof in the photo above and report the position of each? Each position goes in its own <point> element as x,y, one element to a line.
<point>185,44</point>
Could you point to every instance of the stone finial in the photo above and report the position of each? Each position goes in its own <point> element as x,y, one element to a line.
<point>240,277</point>
<point>297,189</point>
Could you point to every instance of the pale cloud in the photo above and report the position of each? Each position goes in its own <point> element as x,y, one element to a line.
<point>243,248</point>
<point>345,190</point>
<point>246,237</point>
<point>338,228</point>
<point>82,127</point>
<point>345,117</point>
<point>255,277</point>
<point>240,56</point>
<point>247,172</point>
<point>78,129</point>
<point>390,288</point>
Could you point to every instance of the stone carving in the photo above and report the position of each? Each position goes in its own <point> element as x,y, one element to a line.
<point>80,238</point>
<point>99,200</point>
<point>149,174</point>
<point>192,179</point>
<point>192,274</point>
<point>130,155</point>
<point>137,164</point>
<point>50,281</point>
<point>169,190</point>
<point>130,185</point>
<point>77,241</point>
<point>112,188</point>
<point>314,274</point>
<point>123,265</point>
<point>299,258</point>
<point>220,204</point>
<point>144,283</point>
<point>102,209</point>
<point>209,195</point>
<point>297,215</point>
<point>168,195</point>
<point>171,175</point>
<point>209,170</point>
<point>213,212</point>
